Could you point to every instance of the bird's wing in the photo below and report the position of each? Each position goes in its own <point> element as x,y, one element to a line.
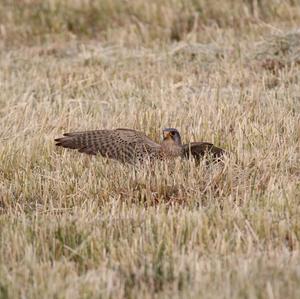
<point>198,150</point>
<point>125,145</point>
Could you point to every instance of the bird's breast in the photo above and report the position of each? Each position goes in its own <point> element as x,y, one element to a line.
<point>171,150</point>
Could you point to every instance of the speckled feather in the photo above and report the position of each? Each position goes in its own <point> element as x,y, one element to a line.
<point>199,149</point>
<point>130,146</point>
<point>124,145</point>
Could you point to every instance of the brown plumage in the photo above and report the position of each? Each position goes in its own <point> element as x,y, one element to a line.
<point>130,146</point>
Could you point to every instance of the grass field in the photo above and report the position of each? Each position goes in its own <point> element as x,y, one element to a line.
<point>227,72</point>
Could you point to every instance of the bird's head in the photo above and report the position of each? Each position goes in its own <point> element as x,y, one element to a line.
<point>171,134</point>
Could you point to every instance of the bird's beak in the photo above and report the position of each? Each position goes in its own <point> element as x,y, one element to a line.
<point>166,135</point>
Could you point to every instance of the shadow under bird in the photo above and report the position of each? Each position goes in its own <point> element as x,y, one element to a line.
<point>131,146</point>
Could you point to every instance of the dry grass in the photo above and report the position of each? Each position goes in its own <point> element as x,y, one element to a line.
<point>75,227</point>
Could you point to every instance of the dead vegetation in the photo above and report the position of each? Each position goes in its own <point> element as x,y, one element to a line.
<point>80,227</point>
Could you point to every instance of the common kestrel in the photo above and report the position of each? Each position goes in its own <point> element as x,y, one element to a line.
<point>133,147</point>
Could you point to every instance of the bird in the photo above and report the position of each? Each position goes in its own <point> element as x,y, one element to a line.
<point>133,147</point>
